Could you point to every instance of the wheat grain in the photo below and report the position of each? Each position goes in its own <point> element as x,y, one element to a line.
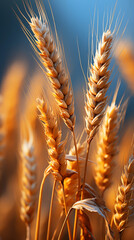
<point>98,85</point>
<point>29,181</point>
<point>125,190</point>
<point>56,149</point>
<point>55,69</point>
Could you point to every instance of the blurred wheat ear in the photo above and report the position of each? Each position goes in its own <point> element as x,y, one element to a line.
<point>124,201</point>
<point>29,183</point>
<point>2,138</point>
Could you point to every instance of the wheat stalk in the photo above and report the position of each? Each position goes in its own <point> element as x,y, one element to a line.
<point>107,143</point>
<point>29,183</point>
<point>125,190</point>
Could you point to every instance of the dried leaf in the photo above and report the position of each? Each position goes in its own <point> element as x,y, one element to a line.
<point>94,205</point>
<point>69,173</point>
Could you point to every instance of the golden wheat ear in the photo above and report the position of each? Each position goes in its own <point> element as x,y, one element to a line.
<point>98,85</point>
<point>29,181</point>
<point>122,207</point>
<point>56,148</point>
<point>50,55</point>
<point>107,146</point>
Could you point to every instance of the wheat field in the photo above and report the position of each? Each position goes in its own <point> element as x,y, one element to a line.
<point>67,152</point>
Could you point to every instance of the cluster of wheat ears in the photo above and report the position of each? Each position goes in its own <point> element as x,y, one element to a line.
<point>69,170</point>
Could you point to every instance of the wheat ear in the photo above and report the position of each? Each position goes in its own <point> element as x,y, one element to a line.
<point>125,190</point>
<point>56,148</point>
<point>98,85</point>
<point>55,69</point>
<point>29,183</point>
<point>107,143</point>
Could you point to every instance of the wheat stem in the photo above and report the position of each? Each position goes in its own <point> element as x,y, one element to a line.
<point>78,168</point>
<point>66,213</point>
<point>58,225</point>
<point>63,225</point>
<point>50,211</point>
<point>85,169</point>
<point>28,228</point>
<point>79,188</point>
<point>46,173</point>
<point>120,235</point>
<point>75,225</point>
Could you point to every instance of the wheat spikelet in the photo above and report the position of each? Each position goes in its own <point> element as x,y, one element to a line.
<point>107,144</point>
<point>56,149</point>
<point>55,69</point>
<point>71,182</point>
<point>124,197</point>
<point>29,182</point>
<point>98,85</point>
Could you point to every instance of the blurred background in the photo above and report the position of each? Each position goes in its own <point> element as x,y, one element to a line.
<point>75,20</point>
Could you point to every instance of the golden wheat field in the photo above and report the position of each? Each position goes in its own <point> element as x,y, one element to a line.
<point>66,144</point>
